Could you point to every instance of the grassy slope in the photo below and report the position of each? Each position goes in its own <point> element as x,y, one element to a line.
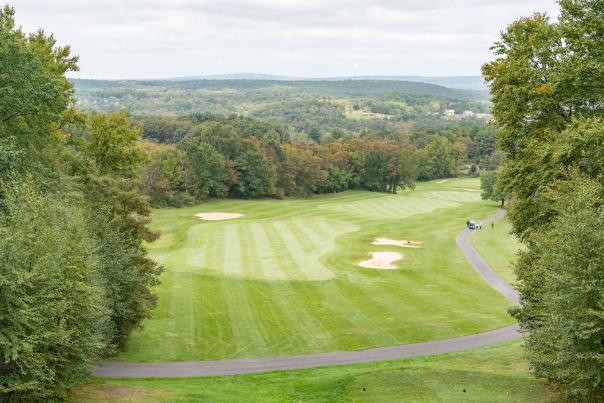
<point>498,247</point>
<point>283,279</point>
<point>494,374</point>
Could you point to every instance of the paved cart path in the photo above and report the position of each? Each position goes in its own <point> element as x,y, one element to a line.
<point>250,365</point>
<point>481,267</point>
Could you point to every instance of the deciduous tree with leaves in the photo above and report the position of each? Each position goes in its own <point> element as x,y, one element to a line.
<point>74,276</point>
<point>547,83</point>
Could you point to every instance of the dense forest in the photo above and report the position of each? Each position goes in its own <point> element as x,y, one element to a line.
<point>354,105</point>
<point>205,155</point>
<point>75,279</point>
<point>277,138</point>
<point>263,138</point>
<point>547,82</point>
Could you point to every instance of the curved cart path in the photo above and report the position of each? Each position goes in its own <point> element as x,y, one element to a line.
<point>250,365</point>
<point>481,267</point>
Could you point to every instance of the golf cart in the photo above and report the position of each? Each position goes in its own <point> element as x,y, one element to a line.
<point>473,225</point>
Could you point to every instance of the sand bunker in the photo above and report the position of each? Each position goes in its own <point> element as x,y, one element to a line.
<point>382,260</point>
<point>396,242</point>
<point>443,181</point>
<point>470,190</point>
<point>218,216</point>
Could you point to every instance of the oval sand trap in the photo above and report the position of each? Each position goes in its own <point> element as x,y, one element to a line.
<point>382,260</point>
<point>218,216</point>
<point>396,242</point>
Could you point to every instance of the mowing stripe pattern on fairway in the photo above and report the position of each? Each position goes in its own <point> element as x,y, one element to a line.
<point>284,278</point>
<point>255,249</point>
<point>403,207</point>
<point>243,366</point>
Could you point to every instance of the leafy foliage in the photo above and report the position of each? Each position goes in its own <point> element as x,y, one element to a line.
<point>437,160</point>
<point>564,309</point>
<point>217,159</point>
<point>439,147</point>
<point>291,100</point>
<point>205,169</point>
<point>317,110</point>
<point>112,143</point>
<point>546,82</point>
<point>53,316</point>
<point>74,275</point>
<point>490,189</point>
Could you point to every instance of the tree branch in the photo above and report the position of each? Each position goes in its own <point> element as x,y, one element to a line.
<point>11,116</point>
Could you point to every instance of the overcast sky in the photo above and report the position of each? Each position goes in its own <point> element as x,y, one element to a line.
<point>318,38</point>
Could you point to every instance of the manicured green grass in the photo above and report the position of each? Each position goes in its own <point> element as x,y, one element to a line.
<point>461,183</point>
<point>284,278</point>
<point>492,374</point>
<point>498,247</point>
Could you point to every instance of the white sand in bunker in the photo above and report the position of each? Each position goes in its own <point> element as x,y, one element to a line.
<point>382,260</point>
<point>216,216</point>
<point>443,181</point>
<point>397,242</point>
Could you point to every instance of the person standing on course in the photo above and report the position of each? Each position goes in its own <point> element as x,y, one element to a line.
<point>492,224</point>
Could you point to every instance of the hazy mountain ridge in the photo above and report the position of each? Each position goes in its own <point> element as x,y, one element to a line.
<point>325,87</point>
<point>456,82</point>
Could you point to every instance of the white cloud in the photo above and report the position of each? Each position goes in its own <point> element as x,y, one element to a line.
<point>167,38</point>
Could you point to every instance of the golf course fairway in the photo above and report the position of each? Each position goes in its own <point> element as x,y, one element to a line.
<point>284,278</point>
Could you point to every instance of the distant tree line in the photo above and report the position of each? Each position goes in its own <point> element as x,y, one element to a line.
<point>323,108</point>
<point>208,156</point>
<point>75,280</point>
<point>183,97</point>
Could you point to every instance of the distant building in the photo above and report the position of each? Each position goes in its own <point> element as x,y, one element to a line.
<point>376,115</point>
<point>468,114</point>
<point>484,116</point>
<point>449,112</point>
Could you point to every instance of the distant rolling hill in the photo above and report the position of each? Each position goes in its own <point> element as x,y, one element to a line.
<point>292,101</point>
<point>457,82</point>
<point>315,87</point>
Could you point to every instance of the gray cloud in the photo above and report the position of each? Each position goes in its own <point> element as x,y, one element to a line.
<point>167,38</point>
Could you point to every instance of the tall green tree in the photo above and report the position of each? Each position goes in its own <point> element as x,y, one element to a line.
<point>223,138</point>
<point>163,176</point>
<point>120,215</point>
<point>74,276</point>
<point>408,169</point>
<point>253,176</point>
<point>35,92</point>
<point>561,279</point>
<point>437,160</point>
<point>54,322</point>
<point>205,172</point>
<point>546,82</point>
<point>490,189</point>
<point>302,173</point>
<point>375,175</point>
<point>114,144</point>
